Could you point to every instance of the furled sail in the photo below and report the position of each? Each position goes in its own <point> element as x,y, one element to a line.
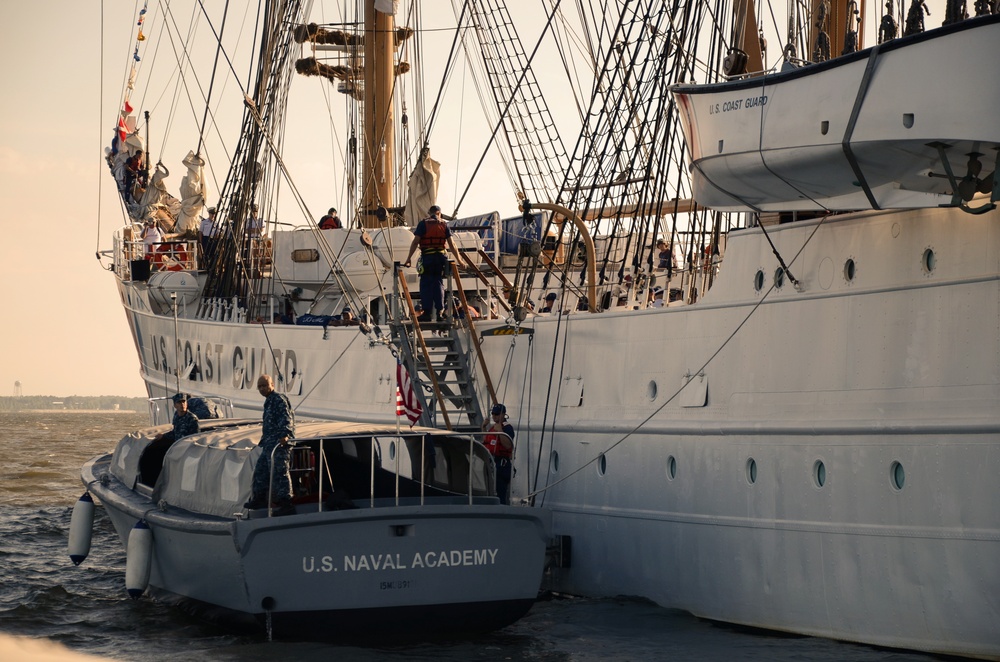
<point>193,190</point>
<point>422,188</point>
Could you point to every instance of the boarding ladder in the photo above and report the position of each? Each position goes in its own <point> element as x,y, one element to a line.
<point>440,357</point>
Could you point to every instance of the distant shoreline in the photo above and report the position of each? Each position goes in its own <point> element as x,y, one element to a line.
<point>77,411</point>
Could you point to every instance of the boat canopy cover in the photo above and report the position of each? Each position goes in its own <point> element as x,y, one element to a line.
<point>512,231</point>
<point>211,472</point>
<point>125,461</point>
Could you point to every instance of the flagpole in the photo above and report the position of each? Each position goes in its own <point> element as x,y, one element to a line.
<point>399,395</point>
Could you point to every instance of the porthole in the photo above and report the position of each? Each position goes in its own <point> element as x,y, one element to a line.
<point>392,450</point>
<point>751,471</point>
<point>929,260</point>
<point>819,473</point>
<point>671,467</point>
<point>897,475</point>
<point>849,270</point>
<point>602,465</point>
<point>758,280</point>
<point>651,390</point>
<point>554,462</point>
<point>824,127</point>
<point>908,120</point>
<point>779,277</point>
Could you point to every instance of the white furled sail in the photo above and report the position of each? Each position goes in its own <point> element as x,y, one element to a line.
<point>194,190</point>
<point>422,189</point>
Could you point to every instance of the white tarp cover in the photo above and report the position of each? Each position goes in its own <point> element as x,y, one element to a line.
<point>422,190</point>
<point>210,473</point>
<point>125,460</point>
<point>194,192</point>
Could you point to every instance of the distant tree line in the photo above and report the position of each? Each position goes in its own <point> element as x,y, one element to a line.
<point>108,402</point>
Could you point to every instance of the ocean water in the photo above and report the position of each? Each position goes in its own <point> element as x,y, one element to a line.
<point>85,609</point>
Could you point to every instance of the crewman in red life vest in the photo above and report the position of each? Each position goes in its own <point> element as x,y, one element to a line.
<point>500,444</point>
<point>330,221</point>
<point>433,236</point>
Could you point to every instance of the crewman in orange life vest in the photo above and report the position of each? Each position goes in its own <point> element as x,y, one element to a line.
<point>432,235</point>
<point>500,444</point>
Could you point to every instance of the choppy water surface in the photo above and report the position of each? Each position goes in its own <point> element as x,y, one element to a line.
<point>86,609</point>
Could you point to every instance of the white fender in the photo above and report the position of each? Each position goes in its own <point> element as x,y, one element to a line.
<point>138,559</point>
<point>81,526</point>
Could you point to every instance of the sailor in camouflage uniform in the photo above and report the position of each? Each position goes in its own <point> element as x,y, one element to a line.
<point>278,428</point>
<point>185,422</point>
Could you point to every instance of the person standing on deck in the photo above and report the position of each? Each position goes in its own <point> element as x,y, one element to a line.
<point>278,428</point>
<point>151,237</point>
<point>433,236</point>
<point>185,422</point>
<point>500,444</point>
<point>206,231</point>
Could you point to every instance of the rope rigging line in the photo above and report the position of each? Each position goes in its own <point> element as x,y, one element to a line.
<point>507,106</point>
<point>185,68</point>
<point>448,68</point>
<point>100,166</point>
<point>211,83</point>
<point>532,140</point>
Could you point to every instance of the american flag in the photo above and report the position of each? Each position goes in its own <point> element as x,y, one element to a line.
<point>406,400</point>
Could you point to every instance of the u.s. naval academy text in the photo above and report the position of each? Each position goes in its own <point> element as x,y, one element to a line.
<point>453,558</point>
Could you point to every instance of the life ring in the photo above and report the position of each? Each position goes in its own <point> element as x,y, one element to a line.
<point>170,256</point>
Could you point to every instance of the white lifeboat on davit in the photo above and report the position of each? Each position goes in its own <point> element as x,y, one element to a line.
<point>854,132</point>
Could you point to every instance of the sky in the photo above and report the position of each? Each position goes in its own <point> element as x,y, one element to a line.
<point>64,331</point>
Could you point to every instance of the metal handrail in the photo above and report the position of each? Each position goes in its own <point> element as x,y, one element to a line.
<point>473,335</point>
<point>401,279</point>
<point>418,471</point>
<point>155,409</point>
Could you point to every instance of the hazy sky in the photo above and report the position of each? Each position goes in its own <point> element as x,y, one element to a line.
<point>64,331</point>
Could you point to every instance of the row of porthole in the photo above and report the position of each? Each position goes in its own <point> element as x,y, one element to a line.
<point>897,474</point>
<point>928,261</point>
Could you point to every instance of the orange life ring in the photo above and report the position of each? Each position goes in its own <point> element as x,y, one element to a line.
<point>170,256</point>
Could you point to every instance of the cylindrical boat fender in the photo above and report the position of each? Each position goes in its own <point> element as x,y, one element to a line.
<point>138,558</point>
<point>81,526</point>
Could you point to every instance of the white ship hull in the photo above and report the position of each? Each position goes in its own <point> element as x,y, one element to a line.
<point>878,377</point>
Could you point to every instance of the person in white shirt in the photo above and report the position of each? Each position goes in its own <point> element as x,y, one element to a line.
<point>151,236</point>
<point>206,232</point>
<point>657,301</point>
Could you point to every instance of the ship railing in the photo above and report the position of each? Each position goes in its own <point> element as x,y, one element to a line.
<point>456,467</point>
<point>161,410</point>
<point>229,309</point>
<point>135,260</point>
<point>221,309</point>
<point>127,248</point>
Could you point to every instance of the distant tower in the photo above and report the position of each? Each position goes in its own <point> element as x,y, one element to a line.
<point>17,390</point>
